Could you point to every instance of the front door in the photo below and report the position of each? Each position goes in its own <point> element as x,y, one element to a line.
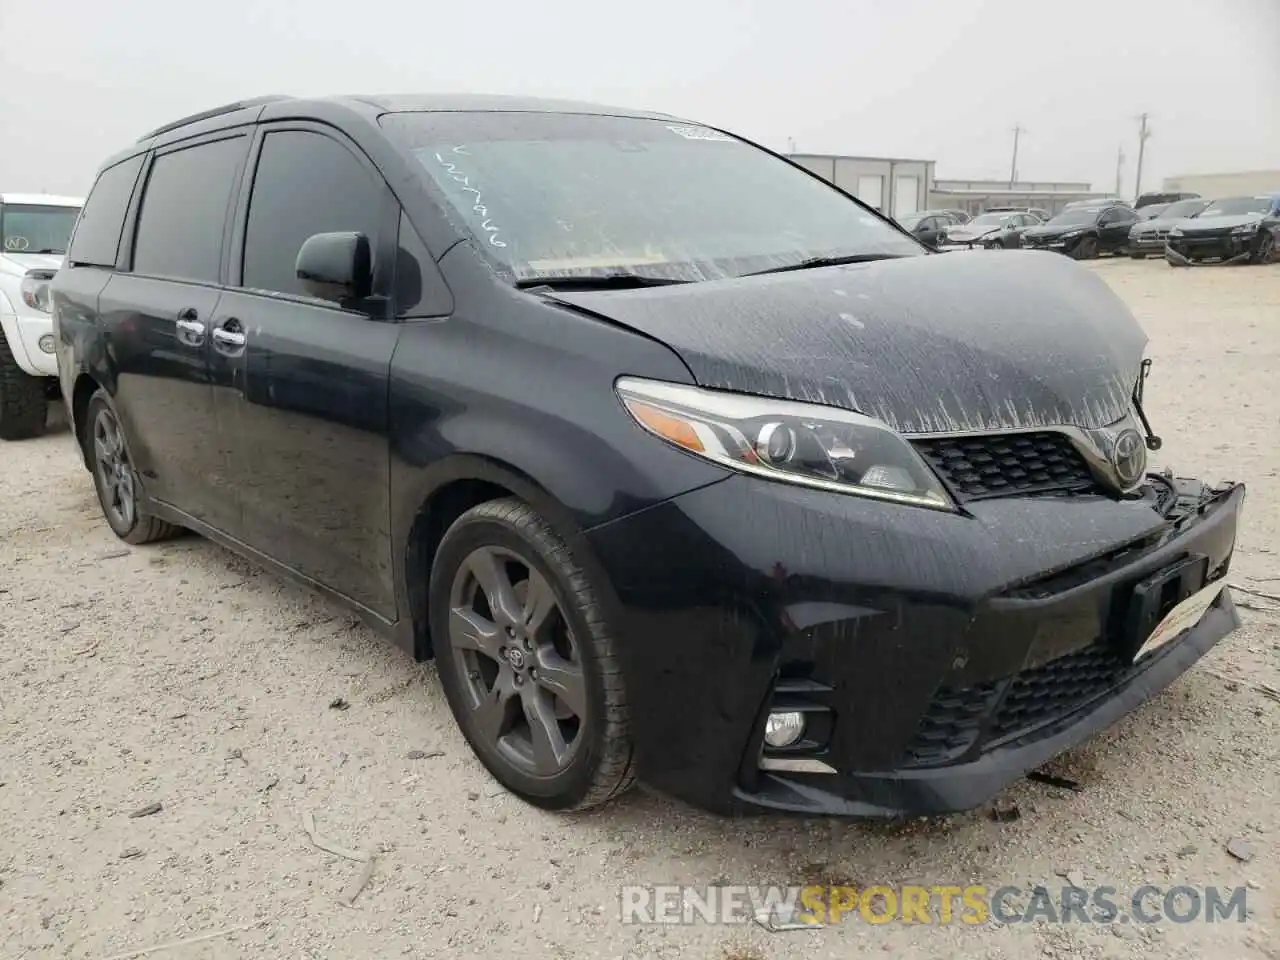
<point>157,315</point>
<point>302,384</point>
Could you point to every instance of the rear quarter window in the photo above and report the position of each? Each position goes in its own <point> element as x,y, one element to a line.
<point>96,238</point>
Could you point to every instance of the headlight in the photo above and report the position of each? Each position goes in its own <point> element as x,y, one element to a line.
<point>35,290</point>
<point>1245,228</point>
<point>1071,233</point>
<point>801,443</point>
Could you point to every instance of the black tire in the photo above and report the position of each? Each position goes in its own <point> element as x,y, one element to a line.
<point>1086,248</point>
<point>24,407</point>
<point>598,761</point>
<point>1134,255</point>
<point>119,491</point>
<point>1266,248</point>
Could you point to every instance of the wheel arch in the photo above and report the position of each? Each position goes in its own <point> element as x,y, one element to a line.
<point>430,505</point>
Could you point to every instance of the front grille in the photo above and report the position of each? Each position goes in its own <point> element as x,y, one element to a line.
<point>957,718</point>
<point>1005,465</point>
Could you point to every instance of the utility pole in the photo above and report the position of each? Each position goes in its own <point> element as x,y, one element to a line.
<point>1018,130</point>
<point>1119,168</point>
<point>1143,134</point>
<point>791,145</point>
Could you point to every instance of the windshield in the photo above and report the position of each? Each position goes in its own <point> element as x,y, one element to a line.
<point>1079,215</point>
<point>1183,208</point>
<point>1234,205</point>
<point>550,195</point>
<point>32,229</point>
<point>991,219</point>
<point>1152,210</point>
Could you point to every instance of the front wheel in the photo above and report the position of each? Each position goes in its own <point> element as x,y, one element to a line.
<point>1266,249</point>
<point>1085,249</point>
<point>24,406</point>
<point>527,662</point>
<point>116,480</point>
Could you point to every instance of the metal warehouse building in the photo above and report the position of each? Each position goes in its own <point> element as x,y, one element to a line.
<point>899,186</point>
<point>893,186</point>
<point>1214,186</point>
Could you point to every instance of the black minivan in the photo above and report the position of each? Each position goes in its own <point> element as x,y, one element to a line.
<point>683,464</point>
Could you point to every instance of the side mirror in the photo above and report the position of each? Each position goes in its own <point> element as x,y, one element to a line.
<point>336,266</point>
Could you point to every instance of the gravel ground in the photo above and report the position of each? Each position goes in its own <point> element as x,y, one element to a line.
<point>180,675</point>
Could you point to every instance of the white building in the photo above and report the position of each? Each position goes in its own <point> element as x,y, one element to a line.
<point>893,186</point>
<point>1214,186</point>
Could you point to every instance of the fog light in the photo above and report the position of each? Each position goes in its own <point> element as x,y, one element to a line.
<point>784,729</point>
<point>46,343</point>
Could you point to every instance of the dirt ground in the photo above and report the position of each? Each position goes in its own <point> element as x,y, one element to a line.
<point>180,675</point>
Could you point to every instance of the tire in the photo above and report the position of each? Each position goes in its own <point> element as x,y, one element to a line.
<point>506,542</point>
<point>114,478</point>
<point>24,407</point>
<point>1085,249</point>
<point>1133,255</point>
<point>1266,248</point>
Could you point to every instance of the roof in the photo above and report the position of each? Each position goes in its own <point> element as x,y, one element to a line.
<point>41,199</point>
<point>479,102</point>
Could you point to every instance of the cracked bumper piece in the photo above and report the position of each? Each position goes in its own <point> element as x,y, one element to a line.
<point>934,657</point>
<point>1216,251</point>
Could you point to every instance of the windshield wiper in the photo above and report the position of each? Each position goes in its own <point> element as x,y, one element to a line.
<point>621,280</point>
<point>812,262</point>
<point>46,250</point>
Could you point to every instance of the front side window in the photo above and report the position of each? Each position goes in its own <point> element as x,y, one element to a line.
<point>184,211</point>
<point>551,195</point>
<point>28,228</point>
<point>305,183</point>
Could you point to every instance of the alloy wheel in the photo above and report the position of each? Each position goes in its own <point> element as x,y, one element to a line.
<point>518,662</point>
<point>115,473</point>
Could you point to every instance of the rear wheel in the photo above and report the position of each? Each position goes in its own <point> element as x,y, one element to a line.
<point>116,480</point>
<point>1266,248</point>
<point>24,406</point>
<point>527,662</point>
<point>1085,249</point>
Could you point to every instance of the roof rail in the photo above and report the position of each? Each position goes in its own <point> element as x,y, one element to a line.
<point>215,112</point>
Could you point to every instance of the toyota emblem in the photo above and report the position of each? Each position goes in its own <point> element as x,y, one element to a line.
<point>1129,456</point>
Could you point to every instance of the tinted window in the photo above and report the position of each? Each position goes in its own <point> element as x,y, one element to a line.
<point>96,239</point>
<point>184,211</point>
<point>306,183</point>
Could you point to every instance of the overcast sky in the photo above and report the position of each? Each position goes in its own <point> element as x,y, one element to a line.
<point>935,79</point>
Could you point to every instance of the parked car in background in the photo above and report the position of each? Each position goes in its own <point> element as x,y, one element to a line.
<point>929,226</point>
<point>633,452</point>
<point>1084,232</point>
<point>1147,199</point>
<point>34,229</point>
<point>1034,211</point>
<point>990,231</point>
<point>1147,237</point>
<point>1228,231</point>
<point>961,216</point>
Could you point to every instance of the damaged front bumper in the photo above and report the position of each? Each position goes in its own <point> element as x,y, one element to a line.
<point>1219,251</point>
<point>936,658</point>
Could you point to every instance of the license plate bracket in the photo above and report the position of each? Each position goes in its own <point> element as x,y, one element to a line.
<point>1155,597</point>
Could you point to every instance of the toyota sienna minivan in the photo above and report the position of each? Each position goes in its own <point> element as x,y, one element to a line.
<point>683,464</point>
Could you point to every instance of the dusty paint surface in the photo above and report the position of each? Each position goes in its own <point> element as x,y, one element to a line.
<point>938,344</point>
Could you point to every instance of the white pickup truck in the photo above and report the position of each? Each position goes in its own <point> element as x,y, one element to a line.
<point>34,232</point>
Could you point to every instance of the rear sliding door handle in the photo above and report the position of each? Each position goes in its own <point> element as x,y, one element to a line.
<point>229,334</point>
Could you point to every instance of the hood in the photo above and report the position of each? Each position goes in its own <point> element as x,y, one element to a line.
<point>1224,222</point>
<point>1056,229</point>
<point>17,264</point>
<point>929,344</point>
<point>1161,223</point>
<point>972,231</point>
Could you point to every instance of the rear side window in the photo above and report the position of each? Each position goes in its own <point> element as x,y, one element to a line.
<point>306,183</point>
<point>96,239</point>
<point>184,211</point>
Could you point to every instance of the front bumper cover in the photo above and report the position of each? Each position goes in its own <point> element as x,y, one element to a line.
<point>879,618</point>
<point>1210,251</point>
